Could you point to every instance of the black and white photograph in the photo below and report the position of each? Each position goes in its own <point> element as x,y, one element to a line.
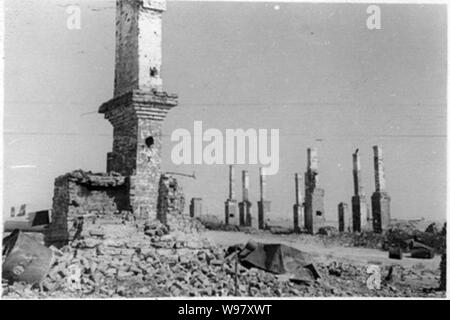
<point>215,150</point>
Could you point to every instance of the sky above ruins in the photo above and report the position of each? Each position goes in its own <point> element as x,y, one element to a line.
<point>315,72</point>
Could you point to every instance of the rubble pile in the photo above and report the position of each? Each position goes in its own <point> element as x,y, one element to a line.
<point>394,237</point>
<point>111,179</point>
<point>118,258</point>
<point>113,260</point>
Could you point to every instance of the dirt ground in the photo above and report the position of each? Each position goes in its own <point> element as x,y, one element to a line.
<point>320,252</point>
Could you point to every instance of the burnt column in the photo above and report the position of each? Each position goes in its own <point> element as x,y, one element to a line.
<point>245,217</point>
<point>263,204</point>
<point>298,206</point>
<point>359,203</point>
<point>231,212</point>
<point>381,200</point>
<point>314,196</point>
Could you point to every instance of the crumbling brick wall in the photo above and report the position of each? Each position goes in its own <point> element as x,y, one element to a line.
<point>170,198</point>
<point>80,193</point>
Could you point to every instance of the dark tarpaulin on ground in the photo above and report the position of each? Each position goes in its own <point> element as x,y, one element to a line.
<point>279,259</point>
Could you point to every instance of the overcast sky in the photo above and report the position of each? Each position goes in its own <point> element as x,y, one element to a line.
<point>315,72</point>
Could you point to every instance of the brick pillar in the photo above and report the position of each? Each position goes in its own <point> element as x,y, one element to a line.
<point>245,217</point>
<point>298,206</point>
<point>195,208</point>
<point>381,200</point>
<point>314,196</point>
<point>263,204</point>
<point>139,105</point>
<point>231,212</point>
<point>359,202</point>
<point>342,216</point>
<point>163,199</point>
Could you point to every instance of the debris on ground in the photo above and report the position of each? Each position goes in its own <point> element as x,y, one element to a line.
<point>116,257</point>
<point>279,259</point>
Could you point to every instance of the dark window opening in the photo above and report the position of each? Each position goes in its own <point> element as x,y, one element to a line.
<point>149,142</point>
<point>319,213</point>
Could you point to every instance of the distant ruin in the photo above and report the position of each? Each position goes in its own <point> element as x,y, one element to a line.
<point>133,181</point>
<point>381,200</point>
<point>359,203</point>
<point>314,196</point>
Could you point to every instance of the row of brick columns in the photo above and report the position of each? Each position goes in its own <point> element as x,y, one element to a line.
<point>360,218</point>
<point>240,213</point>
<point>309,212</point>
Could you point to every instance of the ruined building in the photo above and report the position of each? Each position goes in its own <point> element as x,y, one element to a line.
<point>136,113</point>
<point>139,105</point>
<point>381,200</point>
<point>170,198</point>
<point>359,203</point>
<point>314,196</point>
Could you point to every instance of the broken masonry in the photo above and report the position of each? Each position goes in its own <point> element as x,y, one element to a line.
<point>231,208</point>
<point>314,196</point>
<point>381,200</point>
<point>298,206</point>
<point>359,203</point>
<point>80,193</point>
<point>139,105</point>
<point>263,204</point>
<point>245,215</point>
<point>136,112</point>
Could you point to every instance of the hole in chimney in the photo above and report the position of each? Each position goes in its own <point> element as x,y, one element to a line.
<point>153,72</point>
<point>319,213</point>
<point>149,142</point>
